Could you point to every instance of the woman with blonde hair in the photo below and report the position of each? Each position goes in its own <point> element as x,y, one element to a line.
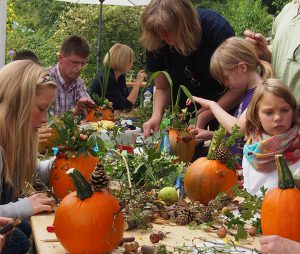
<point>120,58</point>
<point>181,41</point>
<point>26,92</point>
<point>235,65</point>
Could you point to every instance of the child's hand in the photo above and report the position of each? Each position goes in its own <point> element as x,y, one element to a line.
<point>201,133</point>
<point>188,102</point>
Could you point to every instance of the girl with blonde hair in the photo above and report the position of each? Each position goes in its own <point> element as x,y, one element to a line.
<point>181,40</point>
<point>235,65</point>
<point>120,58</point>
<point>26,92</point>
<point>272,127</point>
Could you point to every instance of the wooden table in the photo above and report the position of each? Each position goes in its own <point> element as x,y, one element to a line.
<point>46,242</point>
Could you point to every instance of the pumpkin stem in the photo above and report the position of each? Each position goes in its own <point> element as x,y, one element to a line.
<point>285,177</point>
<point>219,134</point>
<point>82,186</point>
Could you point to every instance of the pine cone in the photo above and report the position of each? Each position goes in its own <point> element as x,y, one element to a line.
<point>99,179</point>
<point>185,216</point>
<point>204,215</point>
<point>219,202</point>
<point>223,152</point>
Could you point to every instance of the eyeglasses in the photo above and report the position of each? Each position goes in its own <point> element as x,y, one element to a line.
<point>190,75</point>
<point>76,63</point>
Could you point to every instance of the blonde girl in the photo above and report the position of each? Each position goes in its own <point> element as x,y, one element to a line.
<point>26,92</point>
<point>272,127</point>
<point>120,58</point>
<point>235,65</point>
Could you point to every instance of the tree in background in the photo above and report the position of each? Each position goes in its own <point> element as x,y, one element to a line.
<point>41,25</point>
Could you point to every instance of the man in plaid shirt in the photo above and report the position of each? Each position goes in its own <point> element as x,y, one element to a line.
<point>71,92</point>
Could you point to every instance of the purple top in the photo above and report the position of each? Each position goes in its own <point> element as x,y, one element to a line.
<point>237,148</point>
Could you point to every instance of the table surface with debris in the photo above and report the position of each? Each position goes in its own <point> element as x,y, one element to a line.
<point>176,238</point>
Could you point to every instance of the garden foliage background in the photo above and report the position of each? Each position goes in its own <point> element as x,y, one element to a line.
<point>41,25</point>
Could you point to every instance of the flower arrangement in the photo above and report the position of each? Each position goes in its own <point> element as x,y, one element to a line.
<point>176,123</point>
<point>103,108</point>
<point>72,139</point>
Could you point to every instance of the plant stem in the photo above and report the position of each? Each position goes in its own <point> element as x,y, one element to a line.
<point>126,166</point>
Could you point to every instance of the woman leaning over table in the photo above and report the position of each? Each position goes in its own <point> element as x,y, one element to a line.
<point>120,58</point>
<point>26,92</point>
<point>181,40</point>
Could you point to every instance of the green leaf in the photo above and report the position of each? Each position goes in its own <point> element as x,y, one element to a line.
<point>241,233</point>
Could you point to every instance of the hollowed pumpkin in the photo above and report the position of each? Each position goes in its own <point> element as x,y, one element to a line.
<point>61,183</point>
<point>280,211</point>
<point>184,150</point>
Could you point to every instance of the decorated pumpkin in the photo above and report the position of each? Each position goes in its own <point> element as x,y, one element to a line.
<point>207,176</point>
<point>280,211</point>
<point>61,183</point>
<point>183,147</point>
<point>89,220</point>
<point>99,113</point>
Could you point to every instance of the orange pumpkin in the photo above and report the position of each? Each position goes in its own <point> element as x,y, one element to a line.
<point>50,141</point>
<point>60,182</point>
<point>87,222</point>
<point>205,178</point>
<point>184,150</point>
<point>99,113</point>
<point>280,211</point>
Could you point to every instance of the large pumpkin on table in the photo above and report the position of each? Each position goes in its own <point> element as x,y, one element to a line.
<point>99,113</point>
<point>205,178</point>
<point>61,183</point>
<point>87,222</point>
<point>280,211</point>
<point>180,147</point>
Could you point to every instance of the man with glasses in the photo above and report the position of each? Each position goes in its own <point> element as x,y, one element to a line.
<point>71,91</point>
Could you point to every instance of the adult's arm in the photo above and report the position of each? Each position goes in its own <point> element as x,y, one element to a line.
<point>260,43</point>
<point>160,101</point>
<point>274,244</point>
<point>141,76</point>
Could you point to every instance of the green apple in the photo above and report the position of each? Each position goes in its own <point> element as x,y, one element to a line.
<point>168,195</point>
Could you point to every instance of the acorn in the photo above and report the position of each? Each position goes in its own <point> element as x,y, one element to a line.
<point>252,231</point>
<point>222,232</point>
<point>154,238</point>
